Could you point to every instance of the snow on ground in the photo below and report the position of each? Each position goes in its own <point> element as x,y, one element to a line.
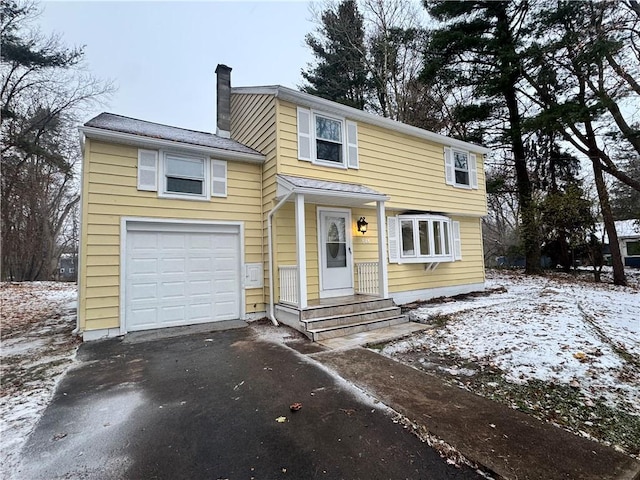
<point>554,329</point>
<point>36,349</point>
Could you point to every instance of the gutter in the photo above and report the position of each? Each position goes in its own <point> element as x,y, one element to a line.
<point>272,316</point>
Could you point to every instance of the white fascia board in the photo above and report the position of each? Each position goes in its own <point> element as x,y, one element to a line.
<point>311,101</point>
<point>158,143</point>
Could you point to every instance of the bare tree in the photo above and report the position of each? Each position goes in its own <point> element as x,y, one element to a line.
<point>43,90</point>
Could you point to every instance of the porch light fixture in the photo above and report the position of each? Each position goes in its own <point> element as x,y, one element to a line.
<point>362,225</point>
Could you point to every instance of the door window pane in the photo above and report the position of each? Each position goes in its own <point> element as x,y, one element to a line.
<point>336,245</point>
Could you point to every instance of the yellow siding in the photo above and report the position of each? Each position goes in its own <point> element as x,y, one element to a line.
<point>408,169</point>
<point>253,123</point>
<point>412,276</point>
<point>109,193</point>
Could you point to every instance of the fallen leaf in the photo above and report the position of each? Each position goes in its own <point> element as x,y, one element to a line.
<point>281,419</point>
<point>294,407</point>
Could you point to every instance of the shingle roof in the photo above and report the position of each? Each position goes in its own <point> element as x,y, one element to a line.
<point>118,123</point>
<point>325,185</point>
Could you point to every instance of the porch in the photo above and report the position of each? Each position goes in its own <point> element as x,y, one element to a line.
<point>344,290</point>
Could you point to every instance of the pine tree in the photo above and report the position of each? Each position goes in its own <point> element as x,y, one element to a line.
<point>340,73</point>
<point>478,47</point>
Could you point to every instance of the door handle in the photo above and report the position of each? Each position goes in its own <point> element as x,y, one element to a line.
<point>349,249</point>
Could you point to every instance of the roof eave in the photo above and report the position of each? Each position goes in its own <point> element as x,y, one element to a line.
<point>160,143</point>
<point>311,101</point>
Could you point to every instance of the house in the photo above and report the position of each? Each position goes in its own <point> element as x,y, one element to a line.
<point>628,238</point>
<point>67,267</point>
<point>313,213</point>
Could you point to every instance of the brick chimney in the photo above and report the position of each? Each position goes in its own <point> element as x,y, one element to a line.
<point>223,101</point>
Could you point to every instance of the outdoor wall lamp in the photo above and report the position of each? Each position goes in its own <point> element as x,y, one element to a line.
<point>362,225</point>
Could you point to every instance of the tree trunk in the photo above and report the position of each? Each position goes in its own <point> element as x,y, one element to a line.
<point>609,224</point>
<point>530,235</point>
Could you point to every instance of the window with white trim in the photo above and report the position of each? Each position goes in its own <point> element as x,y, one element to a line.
<point>327,140</point>
<point>178,175</point>
<point>329,147</point>
<point>184,175</point>
<point>461,168</point>
<point>423,239</point>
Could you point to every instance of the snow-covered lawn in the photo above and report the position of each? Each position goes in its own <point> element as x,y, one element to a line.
<point>36,349</point>
<point>552,329</point>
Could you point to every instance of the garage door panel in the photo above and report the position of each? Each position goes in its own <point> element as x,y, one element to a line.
<point>141,265</point>
<point>173,264</point>
<point>172,290</point>
<point>144,291</point>
<point>181,278</point>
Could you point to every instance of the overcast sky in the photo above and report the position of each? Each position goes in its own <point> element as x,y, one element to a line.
<point>162,55</point>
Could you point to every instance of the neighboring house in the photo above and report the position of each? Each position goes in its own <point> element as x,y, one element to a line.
<point>67,267</point>
<point>313,213</point>
<point>628,238</point>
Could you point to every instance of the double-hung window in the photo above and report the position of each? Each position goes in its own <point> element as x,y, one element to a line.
<point>181,175</point>
<point>423,239</point>
<point>461,168</point>
<point>327,140</point>
<point>329,146</point>
<point>184,175</point>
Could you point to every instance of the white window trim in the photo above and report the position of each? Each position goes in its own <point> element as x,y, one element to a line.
<point>314,149</point>
<point>162,185</point>
<point>450,168</point>
<point>417,258</point>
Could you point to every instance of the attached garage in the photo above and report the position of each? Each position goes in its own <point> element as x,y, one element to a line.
<point>179,273</point>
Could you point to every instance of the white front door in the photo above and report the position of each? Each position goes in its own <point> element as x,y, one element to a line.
<point>336,260</point>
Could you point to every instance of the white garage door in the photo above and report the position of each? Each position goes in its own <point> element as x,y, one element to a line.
<point>181,275</point>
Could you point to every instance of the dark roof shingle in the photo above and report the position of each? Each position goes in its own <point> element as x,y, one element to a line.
<point>118,123</point>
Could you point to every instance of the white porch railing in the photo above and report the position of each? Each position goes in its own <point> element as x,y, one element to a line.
<point>288,284</point>
<point>367,278</point>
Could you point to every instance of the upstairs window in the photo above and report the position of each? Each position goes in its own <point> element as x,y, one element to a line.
<point>461,168</point>
<point>177,175</point>
<point>184,175</point>
<point>327,140</point>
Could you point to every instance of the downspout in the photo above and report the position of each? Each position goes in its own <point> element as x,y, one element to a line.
<point>272,316</point>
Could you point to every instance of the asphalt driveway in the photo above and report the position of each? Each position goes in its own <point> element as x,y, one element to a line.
<point>205,406</point>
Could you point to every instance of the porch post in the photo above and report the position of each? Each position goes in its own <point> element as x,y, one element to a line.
<point>383,282</point>
<point>301,252</point>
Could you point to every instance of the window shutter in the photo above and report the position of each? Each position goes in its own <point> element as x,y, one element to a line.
<point>148,170</point>
<point>457,246</point>
<point>218,178</point>
<point>392,238</point>
<point>473,171</point>
<point>449,173</point>
<point>352,144</point>
<point>304,134</point>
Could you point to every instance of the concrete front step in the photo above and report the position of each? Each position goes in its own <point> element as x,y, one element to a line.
<point>341,330</point>
<point>351,318</point>
<point>322,311</point>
